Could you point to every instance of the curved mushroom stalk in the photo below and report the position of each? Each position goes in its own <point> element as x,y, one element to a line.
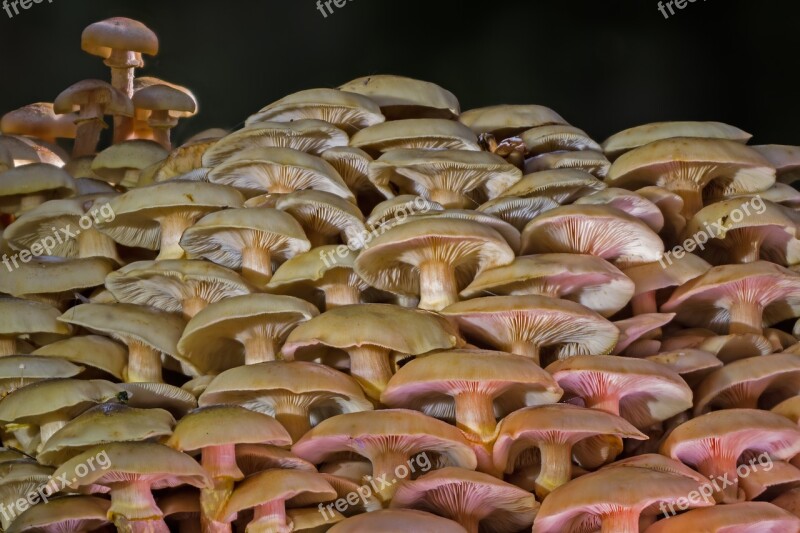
<point>134,510</point>
<point>220,463</point>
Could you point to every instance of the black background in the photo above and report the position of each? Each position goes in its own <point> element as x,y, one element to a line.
<point>603,65</point>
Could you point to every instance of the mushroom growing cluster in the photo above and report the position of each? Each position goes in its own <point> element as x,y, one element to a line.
<point>368,311</point>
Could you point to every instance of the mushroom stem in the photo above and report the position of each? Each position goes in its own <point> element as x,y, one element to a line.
<point>220,463</point>
<point>162,137</point>
<point>449,199</point>
<point>556,469</point>
<point>692,195</point>
<point>92,243</point>
<point>30,201</point>
<point>257,266</point>
<point>192,306</point>
<point>437,285</point>
<point>122,63</point>
<point>133,502</point>
<point>644,303</point>
<point>172,228</point>
<point>8,346</point>
<point>48,428</point>
<point>124,525</point>
<point>621,521</point>
<point>270,518</point>
<point>339,295</point>
<point>293,417</point>
<point>190,525</point>
<point>370,366</point>
<point>144,363</point>
<point>746,317</point>
<point>608,403</point>
<point>318,239</point>
<point>721,470</point>
<point>475,415</point>
<point>745,245</point>
<point>87,137</point>
<point>384,466</point>
<point>526,348</point>
<point>259,349</point>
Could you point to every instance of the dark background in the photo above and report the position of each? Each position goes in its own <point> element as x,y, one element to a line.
<point>603,65</point>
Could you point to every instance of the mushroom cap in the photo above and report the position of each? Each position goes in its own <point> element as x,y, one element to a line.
<point>583,500</point>
<point>648,392</point>
<point>380,325</point>
<point>38,120</point>
<point>739,381</point>
<point>19,151</point>
<point>159,396</point>
<point>69,513</point>
<point>327,214</point>
<point>744,517</point>
<point>424,133</point>
<point>584,279</point>
<point>654,276</point>
<point>557,137</point>
<point>310,520</point>
<point>157,464</point>
<point>258,387</point>
<point>165,284</point>
<point>312,136</point>
<point>691,365</point>
<point>137,211</point>
<point>390,262</point>
<point>502,320</point>
<point>430,383</point>
<point>16,371</point>
<point>456,492</point>
<point>184,160</point>
<point>400,97</point>
<point>737,167</point>
<point>254,458</point>
<point>789,408</point>
<point>118,33</point>
<point>388,211</point>
<point>560,423</point>
<point>86,92</point>
<point>563,185</point>
<point>221,425</point>
<point>370,433</point>
<point>352,164</point>
<point>68,397</point>
<point>731,432</point>
<point>311,269</point>
<point>163,96</point>
<point>257,170</point>
<point>638,136</point>
<point>517,211</point>
<point>90,350</point>
<point>504,121</point>
<point>56,278</point>
<point>345,110</point>
<point>418,171</point>
<point>629,202</point>
<point>222,236</point>
<point>509,232</point>
<point>24,317</point>
<point>103,423</point>
<point>597,230</point>
<point>221,327</point>
<point>114,163</point>
<point>34,178</point>
<point>705,301</point>
<point>589,160</point>
<point>789,501</point>
<point>396,521</point>
<point>635,328</point>
<point>785,159</point>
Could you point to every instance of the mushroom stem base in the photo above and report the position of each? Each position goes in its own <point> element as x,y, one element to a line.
<point>134,502</point>
<point>270,518</point>
<point>527,349</point>
<point>556,469</point>
<point>644,303</point>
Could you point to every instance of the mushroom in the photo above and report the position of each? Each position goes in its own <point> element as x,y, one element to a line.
<point>789,408</point>
<point>255,458</point>
<point>640,329</point>
<point>638,136</point>
<point>23,318</point>
<point>184,161</point>
<point>504,121</point>
<point>555,138</point>
<point>156,216</point>
<point>766,484</point>
<point>396,521</point>
<point>38,120</point>
<point>29,186</point>
<point>629,202</point>
<point>474,500</point>
<point>164,103</point>
<point>591,161</point>
<point>652,277</point>
<point>310,520</point>
<point>352,164</point>
<point>530,325</point>
<point>324,217</point>
<point>19,479</point>
<point>399,207</point>
<point>713,443</point>
<point>250,240</point>
<point>134,470</point>
<point>248,329</point>
<point>391,439</point>
<point>369,334</point>
<point>433,258</point>
<point>584,279</point>
<point>509,232</point>
<point>400,97</point>
<point>737,298</point>
<point>554,430</point>
<point>20,151</point>
<point>745,517</point>
<point>345,110</point>
<point>785,159</point>
<point>215,431</point>
<point>563,186</point>
<point>517,211</point>
<point>133,326</point>
<point>181,508</point>
<point>19,371</point>
<point>159,396</point>
<point>642,392</point>
<point>789,501</point>
<point>425,134</point>
<point>692,365</point>
<point>690,166</point>
<point>100,354</point>
<point>69,513</point>
<point>91,99</point>
<point>471,387</point>
<point>123,163</point>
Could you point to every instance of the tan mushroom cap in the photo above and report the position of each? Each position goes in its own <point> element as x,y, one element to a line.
<point>509,232</point>
<point>789,501</point>
<point>504,121</point>
<point>530,325</point>
<point>183,160</point>
<point>640,391</point>
<point>325,217</point>
<point>249,328</point>
<point>159,396</point>
<point>638,136</point>
<point>763,484</point>
<point>445,176</point>
<point>310,520</point>
<point>471,387</point>
<point>590,161</point>
<point>118,34</point>
<point>38,120</point>
<point>176,285</point>
<point>123,162</point>
<point>671,272</point>
<point>400,97</point>
<point>517,211</point>
<point>789,408</point>
<point>692,365</point>
<point>785,159</point>
<point>55,280</point>
<point>176,101</point>
<point>561,185</point>
<point>104,423</point>
<point>24,318</point>
<point>91,94</point>
<point>396,521</point>
<point>584,279</point>
<point>275,170</point>
<point>744,517</point>
<point>434,258</point>
<point>93,351</point>
<point>25,187</point>
<point>222,425</point>
<point>70,513</point>
<point>612,499</point>
<point>597,230</point>
<point>255,458</point>
<point>345,110</point>
<point>250,240</point>
<point>312,136</point>
<point>642,327</point>
<point>470,498</point>
<point>19,151</point>
<point>557,137</point>
<point>425,134</point>
<point>747,382</point>
<point>352,164</point>
<point>19,371</point>
<point>738,298</point>
<point>629,202</point>
<point>394,209</point>
<point>688,166</point>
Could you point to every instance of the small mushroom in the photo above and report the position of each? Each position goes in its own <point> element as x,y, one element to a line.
<point>650,278</point>
<point>400,97</point>
<point>325,217</point>
<point>692,365</point>
<point>29,319</point>
<point>100,354</point>
<point>504,121</point>
<point>745,517</point>
<point>424,134</point>
<point>562,185</point>
<point>123,163</point>
<point>785,159</point>
<point>29,186</point>
<point>591,161</point>
<point>638,136</point>
<point>19,371</point>
<point>557,137</point>
<point>38,120</point>
<point>69,513</point>
<point>164,103</point>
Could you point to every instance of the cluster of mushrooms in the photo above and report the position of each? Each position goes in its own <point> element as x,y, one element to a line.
<point>254,326</point>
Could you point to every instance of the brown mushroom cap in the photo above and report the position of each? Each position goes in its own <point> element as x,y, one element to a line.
<point>28,186</point>
<point>692,365</point>
<point>557,137</point>
<point>426,134</point>
<point>326,217</point>
<point>638,136</point>
<point>118,33</point>
<point>38,120</point>
<point>785,159</point>
<point>562,185</point>
<point>24,318</point>
<point>400,97</point>
<point>93,351</point>
<point>745,517</point>
<point>91,93</point>
<point>590,161</point>
<point>70,513</point>
<point>124,162</point>
<point>503,121</point>
<point>224,425</point>
<point>396,521</point>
